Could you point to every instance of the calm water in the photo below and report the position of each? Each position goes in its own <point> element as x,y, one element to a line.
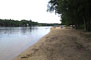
<point>14,40</point>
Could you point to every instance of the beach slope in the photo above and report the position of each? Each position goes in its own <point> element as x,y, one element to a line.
<point>60,44</point>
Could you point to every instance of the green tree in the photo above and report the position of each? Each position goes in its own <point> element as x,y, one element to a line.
<point>73,12</point>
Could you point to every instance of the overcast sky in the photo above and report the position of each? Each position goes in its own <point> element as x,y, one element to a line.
<point>27,9</point>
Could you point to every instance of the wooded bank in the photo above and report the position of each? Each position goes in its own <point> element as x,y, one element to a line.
<point>73,12</point>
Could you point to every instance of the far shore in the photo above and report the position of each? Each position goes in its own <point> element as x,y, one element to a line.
<point>60,44</point>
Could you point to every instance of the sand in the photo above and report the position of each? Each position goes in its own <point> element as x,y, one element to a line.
<point>60,44</point>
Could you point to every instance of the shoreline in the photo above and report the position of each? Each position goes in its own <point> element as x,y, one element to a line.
<point>58,44</point>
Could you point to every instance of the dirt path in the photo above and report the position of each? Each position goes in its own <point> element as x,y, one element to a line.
<point>60,44</point>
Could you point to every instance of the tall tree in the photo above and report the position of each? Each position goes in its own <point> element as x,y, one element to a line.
<point>74,12</point>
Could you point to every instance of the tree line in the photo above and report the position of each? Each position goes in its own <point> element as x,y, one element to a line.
<point>16,23</point>
<point>73,12</point>
<point>22,23</point>
<point>49,24</point>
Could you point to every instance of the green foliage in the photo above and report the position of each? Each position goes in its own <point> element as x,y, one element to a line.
<point>16,23</point>
<point>73,12</point>
<point>22,23</point>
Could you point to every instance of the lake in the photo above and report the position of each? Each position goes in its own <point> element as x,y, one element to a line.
<point>14,40</point>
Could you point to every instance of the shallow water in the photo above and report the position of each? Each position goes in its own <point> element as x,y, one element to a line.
<point>14,40</point>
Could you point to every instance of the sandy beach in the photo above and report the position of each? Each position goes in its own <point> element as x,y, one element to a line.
<point>60,44</point>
